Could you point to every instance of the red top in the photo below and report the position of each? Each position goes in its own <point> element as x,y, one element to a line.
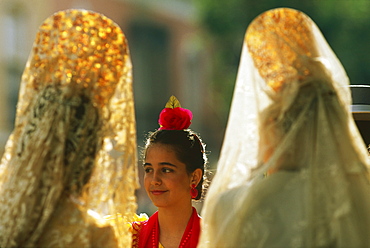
<point>146,233</point>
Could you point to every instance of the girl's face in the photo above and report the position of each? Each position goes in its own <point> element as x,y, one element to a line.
<point>166,180</point>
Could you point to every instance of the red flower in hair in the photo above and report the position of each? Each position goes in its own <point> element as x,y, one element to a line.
<point>175,118</point>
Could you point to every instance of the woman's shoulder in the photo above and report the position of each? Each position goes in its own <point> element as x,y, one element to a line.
<point>103,236</point>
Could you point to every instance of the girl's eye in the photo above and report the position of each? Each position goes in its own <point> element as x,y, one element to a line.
<point>148,170</point>
<point>167,170</point>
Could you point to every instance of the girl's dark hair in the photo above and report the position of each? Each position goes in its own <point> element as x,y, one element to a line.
<point>188,147</point>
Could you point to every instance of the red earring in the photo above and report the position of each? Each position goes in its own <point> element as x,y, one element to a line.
<point>193,191</point>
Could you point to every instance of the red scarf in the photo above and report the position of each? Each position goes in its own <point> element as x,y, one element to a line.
<point>148,232</point>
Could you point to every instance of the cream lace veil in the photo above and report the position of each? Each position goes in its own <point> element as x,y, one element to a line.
<point>75,132</point>
<point>291,112</point>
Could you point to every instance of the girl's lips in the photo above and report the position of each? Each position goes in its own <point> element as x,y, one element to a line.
<point>158,192</point>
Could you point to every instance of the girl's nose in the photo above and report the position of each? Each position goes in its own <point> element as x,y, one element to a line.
<point>156,180</point>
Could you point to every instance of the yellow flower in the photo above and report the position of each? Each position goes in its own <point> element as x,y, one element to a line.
<point>141,217</point>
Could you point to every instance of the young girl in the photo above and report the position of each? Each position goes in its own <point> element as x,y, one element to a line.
<point>174,164</point>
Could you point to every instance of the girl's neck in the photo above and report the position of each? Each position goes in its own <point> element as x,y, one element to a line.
<point>172,224</point>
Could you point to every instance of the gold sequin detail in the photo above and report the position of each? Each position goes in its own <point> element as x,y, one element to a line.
<point>75,47</point>
<point>279,41</point>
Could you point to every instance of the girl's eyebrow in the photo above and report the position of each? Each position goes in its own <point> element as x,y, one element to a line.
<point>168,164</point>
<point>162,164</point>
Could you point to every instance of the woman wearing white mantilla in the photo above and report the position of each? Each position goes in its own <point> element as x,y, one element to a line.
<point>293,170</point>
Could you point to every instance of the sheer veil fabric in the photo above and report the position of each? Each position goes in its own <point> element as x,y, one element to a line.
<point>71,158</point>
<point>293,170</point>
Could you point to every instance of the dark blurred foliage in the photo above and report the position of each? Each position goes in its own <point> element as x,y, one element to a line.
<point>344,23</point>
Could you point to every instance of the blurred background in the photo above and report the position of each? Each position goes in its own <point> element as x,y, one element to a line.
<point>186,48</point>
